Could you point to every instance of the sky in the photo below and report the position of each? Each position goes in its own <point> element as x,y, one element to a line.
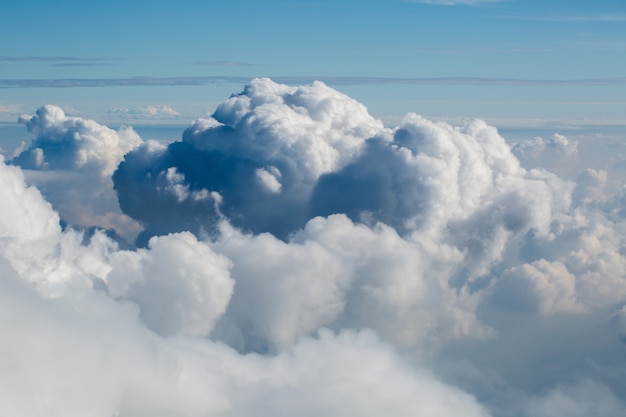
<point>405,208</point>
<point>516,59</point>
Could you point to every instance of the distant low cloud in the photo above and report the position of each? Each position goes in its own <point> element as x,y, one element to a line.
<point>152,111</point>
<point>539,152</point>
<point>9,111</point>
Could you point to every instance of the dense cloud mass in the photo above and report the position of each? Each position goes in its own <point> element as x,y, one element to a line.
<point>298,257</point>
<point>262,152</point>
<point>80,346</point>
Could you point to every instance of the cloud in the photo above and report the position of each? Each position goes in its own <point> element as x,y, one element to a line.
<point>83,342</point>
<point>9,112</point>
<point>225,63</point>
<point>543,287</point>
<point>61,61</point>
<point>72,159</point>
<point>299,255</point>
<point>325,155</point>
<point>270,138</point>
<point>557,153</point>
<point>331,80</point>
<point>557,146</point>
<point>49,59</point>
<point>278,159</point>
<point>151,111</point>
<point>331,275</point>
<point>73,143</point>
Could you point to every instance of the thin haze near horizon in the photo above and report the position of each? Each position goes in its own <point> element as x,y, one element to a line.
<point>406,208</point>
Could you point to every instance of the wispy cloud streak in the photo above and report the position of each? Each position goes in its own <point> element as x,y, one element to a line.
<point>339,80</point>
<point>226,64</point>
<point>61,61</point>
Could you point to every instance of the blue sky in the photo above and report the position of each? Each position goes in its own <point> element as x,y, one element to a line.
<point>498,60</point>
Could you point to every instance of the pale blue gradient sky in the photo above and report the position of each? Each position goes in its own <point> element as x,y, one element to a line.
<point>513,60</point>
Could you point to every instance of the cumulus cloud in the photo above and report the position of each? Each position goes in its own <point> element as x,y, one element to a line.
<point>298,255</point>
<point>262,151</point>
<point>557,152</point>
<point>100,332</point>
<point>448,200</point>
<point>71,160</point>
<point>72,143</point>
<point>281,155</point>
<point>334,274</point>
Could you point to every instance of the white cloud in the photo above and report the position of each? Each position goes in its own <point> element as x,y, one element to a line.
<point>71,160</point>
<point>335,273</point>
<point>179,284</point>
<point>151,111</point>
<point>67,142</point>
<point>557,153</point>
<point>269,130</point>
<point>75,341</point>
<point>300,256</point>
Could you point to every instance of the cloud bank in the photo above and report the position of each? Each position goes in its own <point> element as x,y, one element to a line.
<point>108,332</point>
<point>298,255</point>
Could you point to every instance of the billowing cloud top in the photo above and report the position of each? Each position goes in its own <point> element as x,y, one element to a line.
<point>297,255</point>
<point>74,143</point>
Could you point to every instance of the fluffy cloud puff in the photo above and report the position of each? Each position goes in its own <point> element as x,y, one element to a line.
<point>75,321</point>
<point>337,274</point>
<point>262,151</point>
<point>179,284</point>
<point>448,202</point>
<point>278,156</point>
<point>557,152</point>
<point>64,142</point>
<point>71,160</point>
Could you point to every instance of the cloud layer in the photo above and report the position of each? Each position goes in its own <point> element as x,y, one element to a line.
<point>83,345</point>
<point>298,255</point>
